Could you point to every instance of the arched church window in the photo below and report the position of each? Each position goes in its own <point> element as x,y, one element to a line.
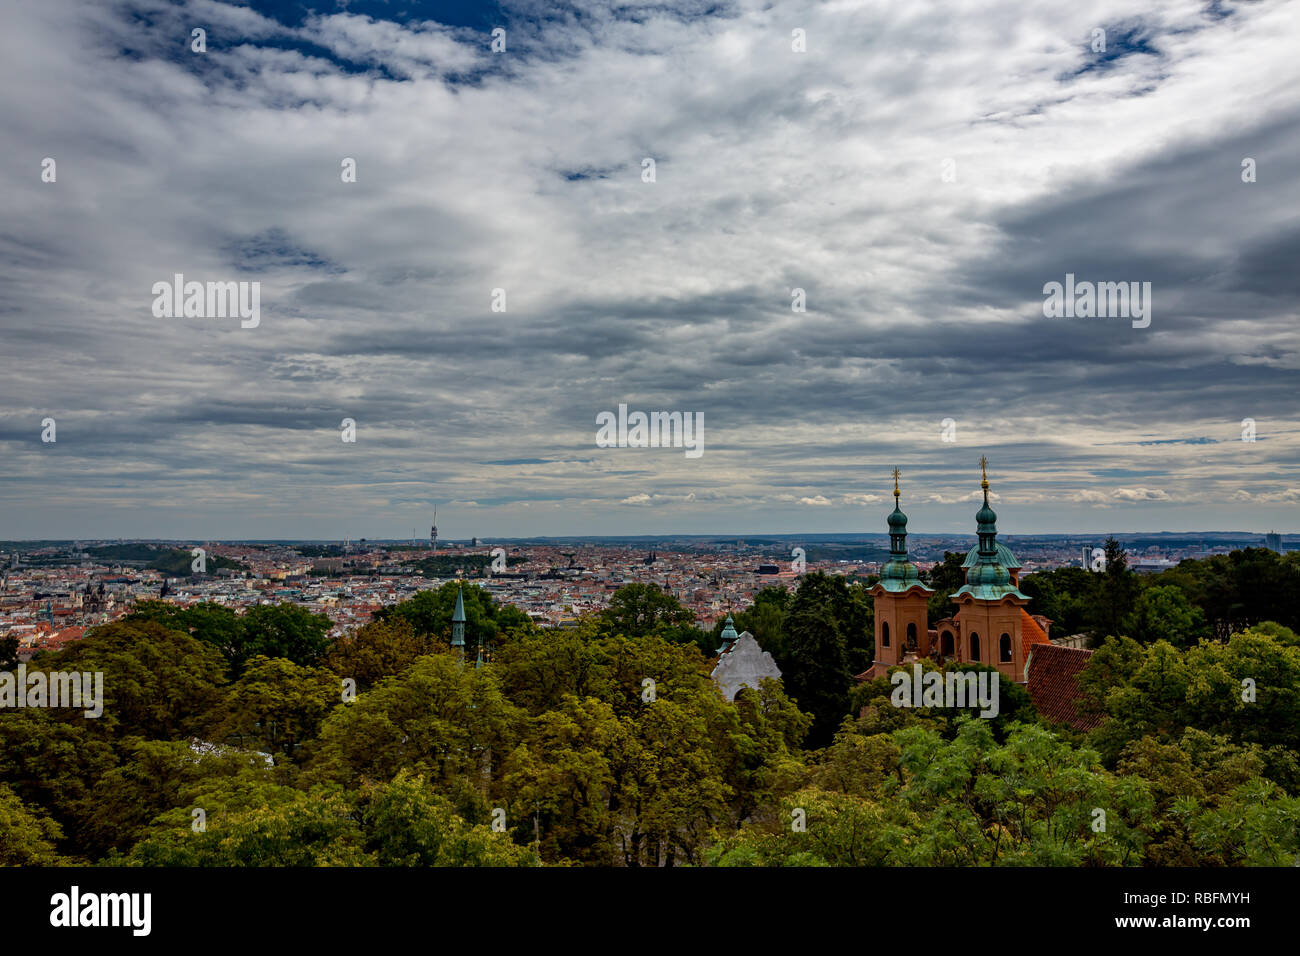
<point>945,644</point>
<point>1004,648</point>
<point>974,646</point>
<point>884,633</point>
<point>911,636</point>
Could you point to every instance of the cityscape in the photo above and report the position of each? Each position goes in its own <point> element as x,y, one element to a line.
<point>51,592</point>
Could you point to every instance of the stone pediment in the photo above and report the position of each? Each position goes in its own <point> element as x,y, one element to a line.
<point>744,664</point>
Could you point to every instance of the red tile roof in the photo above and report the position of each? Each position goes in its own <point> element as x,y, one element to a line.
<point>1053,687</point>
<point>1030,632</point>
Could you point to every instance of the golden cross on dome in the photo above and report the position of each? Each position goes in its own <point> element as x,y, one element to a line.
<point>984,472</point>
<point>897,473</point>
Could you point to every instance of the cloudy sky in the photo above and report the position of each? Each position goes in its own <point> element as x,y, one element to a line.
<point>921,170</point>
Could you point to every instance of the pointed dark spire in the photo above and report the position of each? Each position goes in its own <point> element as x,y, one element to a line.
<point>897,526</point>
<point>986,518</point>
<point>899,574</point>
<point>458,624</point>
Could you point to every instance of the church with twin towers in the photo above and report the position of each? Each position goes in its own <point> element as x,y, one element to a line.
<point>989,625</point>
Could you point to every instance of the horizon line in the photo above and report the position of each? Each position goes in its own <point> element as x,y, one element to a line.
<point>662,534</point>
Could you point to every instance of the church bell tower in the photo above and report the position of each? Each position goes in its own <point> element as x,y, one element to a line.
<point>902,627</point>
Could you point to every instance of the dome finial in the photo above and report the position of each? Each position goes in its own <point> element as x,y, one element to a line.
<point>897,525</point>
<point>899,574</point>
<point>986,517</point>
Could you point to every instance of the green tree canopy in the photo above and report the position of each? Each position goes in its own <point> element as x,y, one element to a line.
<point>379,649</point>
<point>429,614</point>
<point>27,836</point>
<point>1165,612</point>
<point>638,610</point>
<point>157,683</point>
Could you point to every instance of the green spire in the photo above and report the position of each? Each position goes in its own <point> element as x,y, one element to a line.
<point>986,519</point>
<point>458,623</point>
<point>988,575</point>
<point>899,574</point>
<point>897,527</point>
<point>729,635</point>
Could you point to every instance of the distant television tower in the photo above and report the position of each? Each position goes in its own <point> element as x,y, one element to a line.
<point>433,532</point>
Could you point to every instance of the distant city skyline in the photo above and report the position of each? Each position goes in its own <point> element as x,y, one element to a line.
<point>719,537</point>
<point>628,208</point>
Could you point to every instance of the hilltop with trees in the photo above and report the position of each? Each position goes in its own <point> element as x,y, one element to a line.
<point>608,745</point>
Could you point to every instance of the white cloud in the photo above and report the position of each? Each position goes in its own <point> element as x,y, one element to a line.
<point>775,170</point>
<point>862,499</point>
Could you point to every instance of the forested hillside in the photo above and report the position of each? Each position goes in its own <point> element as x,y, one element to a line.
<point>254,740</point>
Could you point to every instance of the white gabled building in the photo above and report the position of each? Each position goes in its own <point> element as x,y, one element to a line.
<point>741,662</point>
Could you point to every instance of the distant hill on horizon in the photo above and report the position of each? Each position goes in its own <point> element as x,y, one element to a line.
<point>1244,538</point>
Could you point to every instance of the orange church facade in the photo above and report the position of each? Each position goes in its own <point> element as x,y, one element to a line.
<point>990,625</point>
